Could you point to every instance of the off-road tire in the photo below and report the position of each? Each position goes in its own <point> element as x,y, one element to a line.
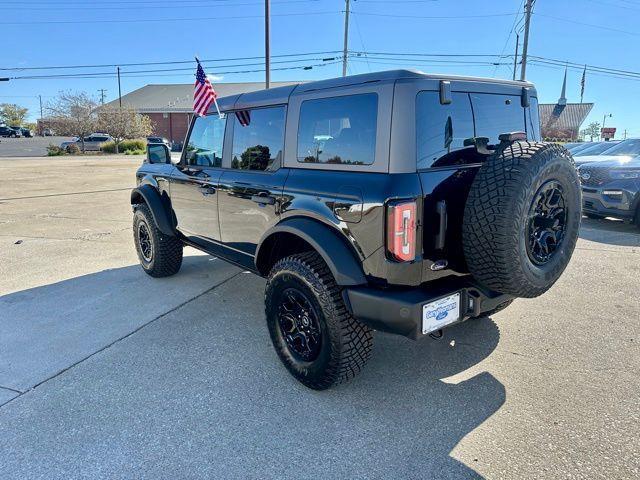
<point>166,251</point>
<point>346,343</point>
<point>496,217</point>
<point>499,308</point>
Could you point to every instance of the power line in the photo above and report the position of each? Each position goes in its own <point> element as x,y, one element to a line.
<point>435,17</point>
<point>138,74</point>
<point>167,20</point>
<point>603,27</point>
<point>160,70</point>
<point>170,62</point>
<point>104,6</point>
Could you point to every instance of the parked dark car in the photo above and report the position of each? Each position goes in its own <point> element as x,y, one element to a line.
<point>26,132</point>
<point>393,201</point>
<point>8,132</point>
<point>18,130</point>
<point>611,185</point>
<point>596,148</point>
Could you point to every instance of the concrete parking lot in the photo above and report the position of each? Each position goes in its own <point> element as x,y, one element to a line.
<point>108,373</point>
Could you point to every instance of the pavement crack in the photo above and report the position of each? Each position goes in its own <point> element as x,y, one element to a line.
<point>124,337</point>
<point>65,194</point>
<point>11,389</point>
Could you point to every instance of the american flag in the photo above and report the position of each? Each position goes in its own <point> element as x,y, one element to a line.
<point>203,93</point>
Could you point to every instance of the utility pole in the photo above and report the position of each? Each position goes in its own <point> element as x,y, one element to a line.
<point>625,134</point>
<point>119,89</point>
<point>515,57</point>
<point>525,45</point>
<point>39,124</point>
<point>267,47</point>
<point>102,95</point>
<point>345,49</point>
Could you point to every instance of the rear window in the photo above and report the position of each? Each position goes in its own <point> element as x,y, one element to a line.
<point>338,130</point>
<point>496,114</point>
<point>533,120</point>
<point>258,139</point>
<point>442,129</point>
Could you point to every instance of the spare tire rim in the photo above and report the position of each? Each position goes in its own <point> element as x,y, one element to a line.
<point>299,325</point>
<point>144,239</point>
<point>547,222</point>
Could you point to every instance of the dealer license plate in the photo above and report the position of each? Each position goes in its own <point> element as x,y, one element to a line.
<point>441,312</point>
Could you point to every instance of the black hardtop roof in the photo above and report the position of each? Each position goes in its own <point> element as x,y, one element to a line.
<point>282,94</point>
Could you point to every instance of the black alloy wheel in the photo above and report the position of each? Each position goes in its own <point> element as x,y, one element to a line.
<point>299,325</point>
<point>547,222</point>
<point>144,239</point>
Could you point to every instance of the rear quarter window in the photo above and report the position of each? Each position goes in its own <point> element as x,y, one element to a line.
<point>338,130</point>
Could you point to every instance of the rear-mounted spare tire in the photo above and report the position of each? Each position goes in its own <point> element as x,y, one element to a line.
<point>522,218</point>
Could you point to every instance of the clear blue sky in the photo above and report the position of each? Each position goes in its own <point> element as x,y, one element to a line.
<point>598,32</point>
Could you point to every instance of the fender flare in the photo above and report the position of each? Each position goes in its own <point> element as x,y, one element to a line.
<point>338,256</point>
<point>157,206</point>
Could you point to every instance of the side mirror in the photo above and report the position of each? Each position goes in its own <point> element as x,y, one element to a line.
<point>158,153</point>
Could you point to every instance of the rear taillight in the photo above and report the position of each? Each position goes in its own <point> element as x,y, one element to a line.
<point>401,230</point>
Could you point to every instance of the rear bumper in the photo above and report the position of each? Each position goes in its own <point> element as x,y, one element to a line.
<point>399,311</point>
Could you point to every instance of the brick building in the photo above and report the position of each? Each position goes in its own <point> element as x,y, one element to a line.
<point>170,106</point>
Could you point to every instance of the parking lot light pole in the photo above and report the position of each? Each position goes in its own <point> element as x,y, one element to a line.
<point>604,119</point>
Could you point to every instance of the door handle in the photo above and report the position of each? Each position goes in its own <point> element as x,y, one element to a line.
<point>263,199</point>
<point>207,190</point>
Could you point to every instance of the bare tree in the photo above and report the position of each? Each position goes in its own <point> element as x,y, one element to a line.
<point>123,124</point>
<point>74,114</point>
<point>12,114</point>
<point>592,130</point>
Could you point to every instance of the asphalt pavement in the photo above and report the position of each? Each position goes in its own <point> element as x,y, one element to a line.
<point>28,147</point>
<point>108,373</point>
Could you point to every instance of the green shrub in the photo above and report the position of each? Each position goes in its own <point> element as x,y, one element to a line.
<point>108,147</point>
<point>124,147</point>
<point>54,151</point>
<point>73,149</point>
<point>135,152</point>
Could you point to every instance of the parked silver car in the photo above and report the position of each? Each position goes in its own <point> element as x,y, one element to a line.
<point>91,143</point>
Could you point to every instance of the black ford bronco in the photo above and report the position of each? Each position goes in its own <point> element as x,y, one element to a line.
<point>393,201</point>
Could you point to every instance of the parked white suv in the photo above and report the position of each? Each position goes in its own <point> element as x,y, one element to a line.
<point>92,142</point>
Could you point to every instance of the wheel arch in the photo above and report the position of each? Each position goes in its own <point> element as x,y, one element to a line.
<point>300,233</point>
<point>158,206</point>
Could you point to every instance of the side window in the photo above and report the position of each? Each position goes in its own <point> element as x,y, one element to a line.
<point>442,129</point>
<point>204,147</point>
<point>338,130</point>
<point>258,139</point>
<point>533,120</point>
<point>496,114</point>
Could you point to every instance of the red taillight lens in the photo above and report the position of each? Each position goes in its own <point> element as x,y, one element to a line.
<point>401,230</point>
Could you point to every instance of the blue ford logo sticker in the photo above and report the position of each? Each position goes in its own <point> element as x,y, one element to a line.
<point>441,313</point>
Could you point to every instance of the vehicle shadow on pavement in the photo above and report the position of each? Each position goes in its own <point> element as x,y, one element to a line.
<point>200,393</point>
<point>612,232</point>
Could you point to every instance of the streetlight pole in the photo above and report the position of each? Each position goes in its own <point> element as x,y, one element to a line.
<point>604,119</point>
<point>267,47</point>
<point>525,45</point>
<point>345,49</point>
